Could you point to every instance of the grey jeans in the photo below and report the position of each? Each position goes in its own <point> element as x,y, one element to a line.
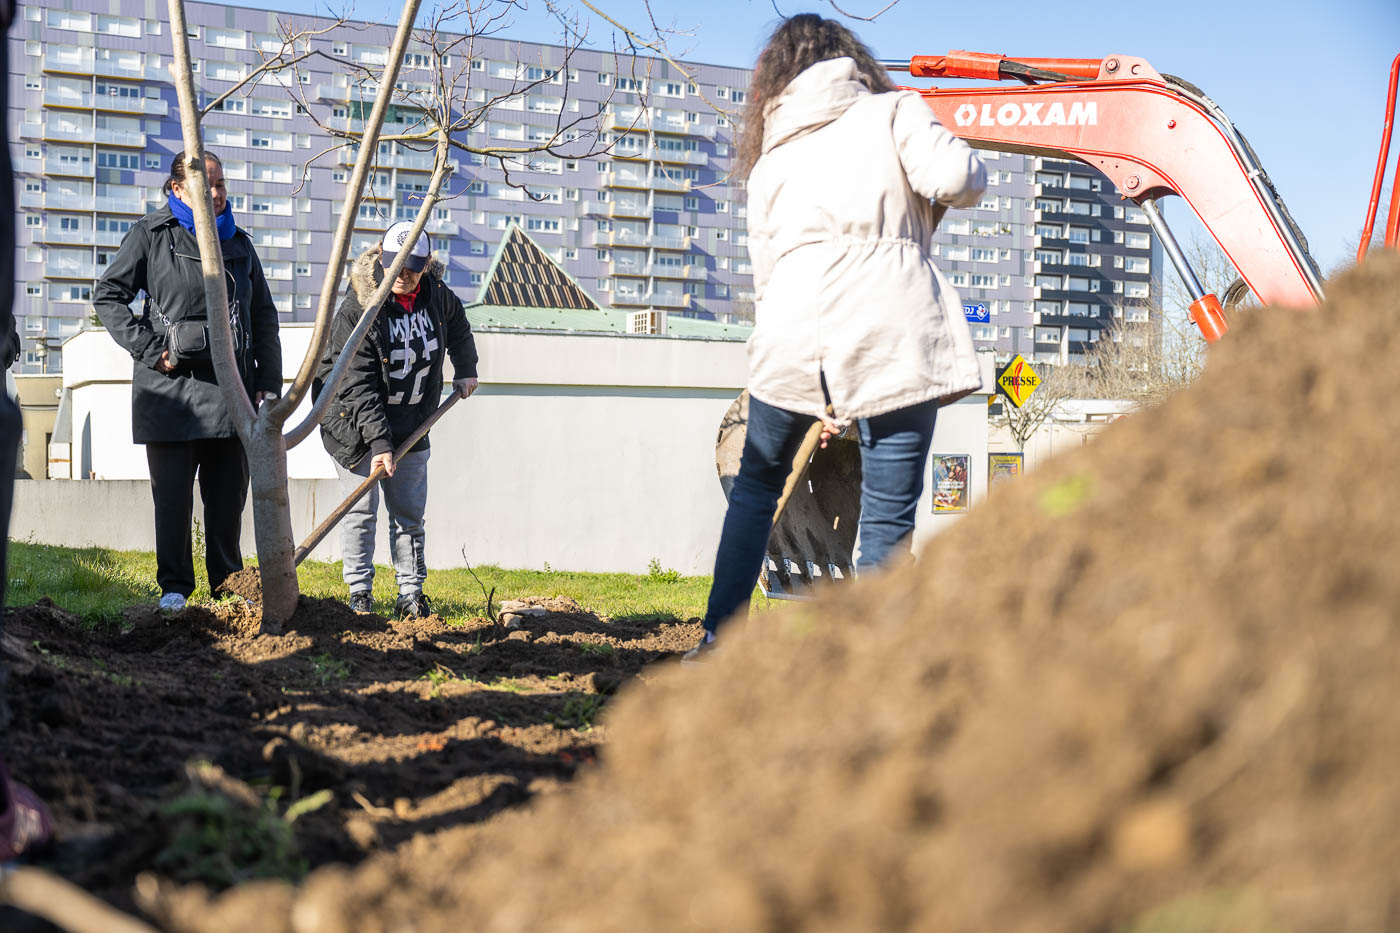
<point>405,498</point>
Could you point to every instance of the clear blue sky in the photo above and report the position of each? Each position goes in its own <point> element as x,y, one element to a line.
<point>1305,82</point>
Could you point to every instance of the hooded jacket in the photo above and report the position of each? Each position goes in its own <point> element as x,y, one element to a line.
<point>161,258</point>
<point>356,423</point>
<point>840,218</point>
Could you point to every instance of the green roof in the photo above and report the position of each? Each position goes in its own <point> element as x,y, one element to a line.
<point>603,321</point>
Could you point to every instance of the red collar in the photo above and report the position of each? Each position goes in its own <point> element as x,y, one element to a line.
<point>408,300</point>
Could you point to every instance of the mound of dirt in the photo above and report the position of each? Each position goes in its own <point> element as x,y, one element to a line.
<point>1150,687</point>
<point>246,583</point>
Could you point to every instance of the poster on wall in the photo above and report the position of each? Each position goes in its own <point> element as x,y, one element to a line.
<point>1002,468</point>
<point>951,492</point>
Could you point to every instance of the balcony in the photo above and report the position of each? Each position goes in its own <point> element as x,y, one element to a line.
<point>64,237</point>
<point>115,69</point>
<point>119,204</point>
<point>127,138</point>
<point>147,106</point>
<point>69,61</point>
<point>685,156</point>
<point>372,222</point>
<point>668,300</point>
<point>28,166</point>
<point>64,200</point>
<point>676,272</point>
<point>626,180</point>
<point>56,166</point>
<point>443,227</point>
<point>617,209</point>
<point>31,199</point>
<point>56,97</point>
<point>108,237</point>
<point>70,270</point>
<point>639,118</point>
<point>661,183</point>
<point>56,133</point>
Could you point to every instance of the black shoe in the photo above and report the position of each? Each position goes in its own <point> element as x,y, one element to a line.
<point>361,602</point>
<point>412,606</point>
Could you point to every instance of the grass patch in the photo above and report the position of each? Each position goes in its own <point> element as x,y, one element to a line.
<point>579,712</point>
<point>327,669</point>
<point>96,583</point>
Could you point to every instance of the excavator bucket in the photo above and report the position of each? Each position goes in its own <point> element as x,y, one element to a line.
<point>815,536</point>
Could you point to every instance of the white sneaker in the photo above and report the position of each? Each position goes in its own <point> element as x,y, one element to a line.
<point>702,652</point>
<point>172,602</point>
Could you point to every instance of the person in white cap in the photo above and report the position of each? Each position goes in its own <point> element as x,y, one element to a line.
<point>393,384</point>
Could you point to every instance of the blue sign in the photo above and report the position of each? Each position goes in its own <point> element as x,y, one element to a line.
<point>976,314</point>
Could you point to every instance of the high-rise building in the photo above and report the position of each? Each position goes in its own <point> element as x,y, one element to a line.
<point>645,217</point>
<point>635,201</point>
<point>1053,258</point>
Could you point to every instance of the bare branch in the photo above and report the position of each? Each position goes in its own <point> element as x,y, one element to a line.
<point>867,19</point>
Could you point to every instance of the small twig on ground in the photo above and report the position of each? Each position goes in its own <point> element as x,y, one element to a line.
<point>490,596</point>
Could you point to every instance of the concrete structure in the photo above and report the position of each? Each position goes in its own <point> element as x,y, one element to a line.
<point>591,452</point>
<point>38,398</point>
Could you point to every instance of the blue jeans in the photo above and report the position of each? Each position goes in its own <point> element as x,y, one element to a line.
<point>406,498</point>
<point>893,450</point>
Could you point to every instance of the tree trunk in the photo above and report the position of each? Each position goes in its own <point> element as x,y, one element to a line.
<point>272,524</point>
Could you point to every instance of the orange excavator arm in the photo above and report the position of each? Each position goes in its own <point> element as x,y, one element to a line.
<point>1151,135</point>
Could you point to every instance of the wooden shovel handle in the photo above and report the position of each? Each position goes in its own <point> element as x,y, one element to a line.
<point>334,518</point>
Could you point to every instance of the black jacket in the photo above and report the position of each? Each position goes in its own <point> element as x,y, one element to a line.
<point>356,422</point>
<point>161,257</point>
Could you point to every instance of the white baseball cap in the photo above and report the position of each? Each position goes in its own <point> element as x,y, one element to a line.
<point>393,242</point>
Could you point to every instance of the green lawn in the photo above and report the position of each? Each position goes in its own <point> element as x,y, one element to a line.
<point>97,582</point>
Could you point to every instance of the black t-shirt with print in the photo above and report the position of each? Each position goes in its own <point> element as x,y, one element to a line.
<point>414,344</point>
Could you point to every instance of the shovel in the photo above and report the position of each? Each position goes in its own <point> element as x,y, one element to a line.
<point>338,513</point>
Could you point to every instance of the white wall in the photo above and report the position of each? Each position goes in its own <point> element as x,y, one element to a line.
<point>583,452</point>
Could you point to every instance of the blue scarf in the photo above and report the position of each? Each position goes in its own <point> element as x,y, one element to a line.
<point>185,215</point>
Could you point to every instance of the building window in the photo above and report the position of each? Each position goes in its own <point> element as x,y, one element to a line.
<point>303,268</point>
<point>604,78</point>
<point>33,220</point>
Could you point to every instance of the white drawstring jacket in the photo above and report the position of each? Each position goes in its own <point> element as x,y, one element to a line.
<point>840,218</point>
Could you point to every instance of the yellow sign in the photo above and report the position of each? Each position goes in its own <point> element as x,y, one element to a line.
<point>1017,381</point>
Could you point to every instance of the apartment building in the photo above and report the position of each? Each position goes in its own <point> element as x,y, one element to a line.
<point>634,202</point>
<point>643,216</point>
<point>1053,258</point>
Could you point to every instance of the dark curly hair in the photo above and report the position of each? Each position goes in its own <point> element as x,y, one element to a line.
<point>797,44</point>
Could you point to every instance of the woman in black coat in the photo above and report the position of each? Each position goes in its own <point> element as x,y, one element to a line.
<point>177,409</point>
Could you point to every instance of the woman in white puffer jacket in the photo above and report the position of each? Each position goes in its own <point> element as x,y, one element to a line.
<point>843,175</point>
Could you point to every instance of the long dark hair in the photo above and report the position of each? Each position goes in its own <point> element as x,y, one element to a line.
<point>796,45</point>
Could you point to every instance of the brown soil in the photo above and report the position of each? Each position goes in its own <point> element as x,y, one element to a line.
<point>412,726</point>
<point>1148,688</point>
